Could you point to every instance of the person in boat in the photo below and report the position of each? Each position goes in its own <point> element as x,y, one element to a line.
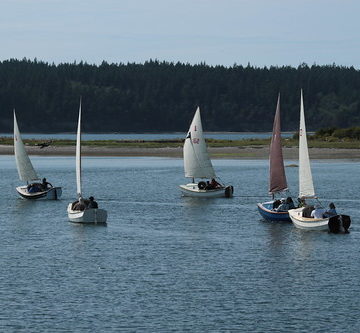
<point>331,211</point>
<point>283,207</point>
<point>301,202</point>
<point>214,184</point>
<point>317,213</point>
<point>307,211</point>
<point>79,205</point>
<point>92,203</point>
<point>34,187</point>
<point>276,204</point>
<point>290,202</point>
<point>45,185</point>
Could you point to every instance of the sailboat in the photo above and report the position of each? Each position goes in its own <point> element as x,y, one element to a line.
<point>300,216</point>
<point>83,214</point>
<point>34,188</point>
<point>197,164</point>
<point>277,183</point>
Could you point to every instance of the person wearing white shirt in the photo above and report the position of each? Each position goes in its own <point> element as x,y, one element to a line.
<point>317,213</point>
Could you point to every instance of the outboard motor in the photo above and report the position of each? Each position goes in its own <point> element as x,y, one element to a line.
<point>339,223</point>
<point>229,190</point>
<point>334,224</point>
<point>346,222</point>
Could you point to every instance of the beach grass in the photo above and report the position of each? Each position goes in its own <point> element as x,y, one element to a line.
<point>244,143</point>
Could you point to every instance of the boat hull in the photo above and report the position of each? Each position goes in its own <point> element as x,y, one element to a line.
<point>192,190</point>
<point>52,193</point>
<point>87,216</point>
<point>335,224</point>
<point>307,223</point>
<point>265,210</point>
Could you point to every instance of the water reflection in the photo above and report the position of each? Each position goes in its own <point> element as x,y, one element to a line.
<point>278,235</point>
<point>304,243</point>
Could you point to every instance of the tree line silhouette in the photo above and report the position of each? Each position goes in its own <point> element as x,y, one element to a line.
<point>162,96</point>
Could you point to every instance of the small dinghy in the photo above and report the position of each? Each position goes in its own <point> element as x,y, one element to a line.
<point>276,210</point>
<point>35,189</point>
<point>312,217</point>
<point>82,210</point>
<point>197,164</point>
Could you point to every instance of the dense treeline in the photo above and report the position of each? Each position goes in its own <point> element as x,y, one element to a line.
<point>333,133</point>
<point>161,96</point>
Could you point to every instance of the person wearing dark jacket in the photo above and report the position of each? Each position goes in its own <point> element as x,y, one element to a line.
<point>45,185</point>
<point>92,203</point>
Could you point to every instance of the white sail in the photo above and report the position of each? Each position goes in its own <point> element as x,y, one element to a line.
<point>25,168</point>
<point>197,163</point>
<point>78,155</point>
<point>306,186</point>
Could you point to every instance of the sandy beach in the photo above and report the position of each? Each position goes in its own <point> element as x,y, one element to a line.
<point>258,152</point>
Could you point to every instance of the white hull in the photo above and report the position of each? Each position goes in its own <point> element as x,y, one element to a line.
<point>192,190</point>
<point>91,216</point>
<point>307,223</point>
<point>53,193</point>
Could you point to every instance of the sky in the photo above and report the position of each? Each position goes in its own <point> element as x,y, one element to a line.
<point>217,32</point>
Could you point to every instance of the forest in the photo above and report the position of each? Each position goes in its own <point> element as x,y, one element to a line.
<point>162,97</point>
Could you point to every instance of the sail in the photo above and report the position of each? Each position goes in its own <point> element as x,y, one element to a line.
<point>197,163</point>
<point>277,171</point>
<point>306,186</point>
<point>25,169</point>
<point>78,155</point>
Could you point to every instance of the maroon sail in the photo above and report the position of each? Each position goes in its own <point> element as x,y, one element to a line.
<point>277,172</point>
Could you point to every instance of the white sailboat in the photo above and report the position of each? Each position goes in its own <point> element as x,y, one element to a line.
<point>83,214</point>
<point>197,164</point>
<point>34,188</point>
<point>306,190</point>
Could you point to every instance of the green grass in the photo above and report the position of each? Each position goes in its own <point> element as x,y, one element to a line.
<point>256,143</point>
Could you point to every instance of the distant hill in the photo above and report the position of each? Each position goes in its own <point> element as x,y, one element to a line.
<point>162,96</point>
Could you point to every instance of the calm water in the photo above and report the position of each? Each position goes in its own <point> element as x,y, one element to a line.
<point>148,136</point>
<point>167,263</point>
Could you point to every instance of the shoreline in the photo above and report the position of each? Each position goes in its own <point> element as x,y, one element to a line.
<point>250,152</point>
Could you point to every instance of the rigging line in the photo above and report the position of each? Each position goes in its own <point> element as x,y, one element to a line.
<point>322,206</point>
<point>221,180</point>
<point>286,192</point>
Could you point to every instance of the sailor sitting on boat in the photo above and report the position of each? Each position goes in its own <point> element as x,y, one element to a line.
<point>34,187</point>
<point>82,204</point>
<point>45,185</point>
<point>213,184</point>
<point>301,202</point>
<point>79,205</point>
<point>331,211</point>
<point>92,203</point>
<point>285,205</point>
<point>318,212</point>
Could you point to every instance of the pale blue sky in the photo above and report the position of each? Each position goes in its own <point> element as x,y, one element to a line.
<point>224,32</point>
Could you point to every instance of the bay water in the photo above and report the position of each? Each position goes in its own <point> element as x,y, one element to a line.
<point>166,263</point>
